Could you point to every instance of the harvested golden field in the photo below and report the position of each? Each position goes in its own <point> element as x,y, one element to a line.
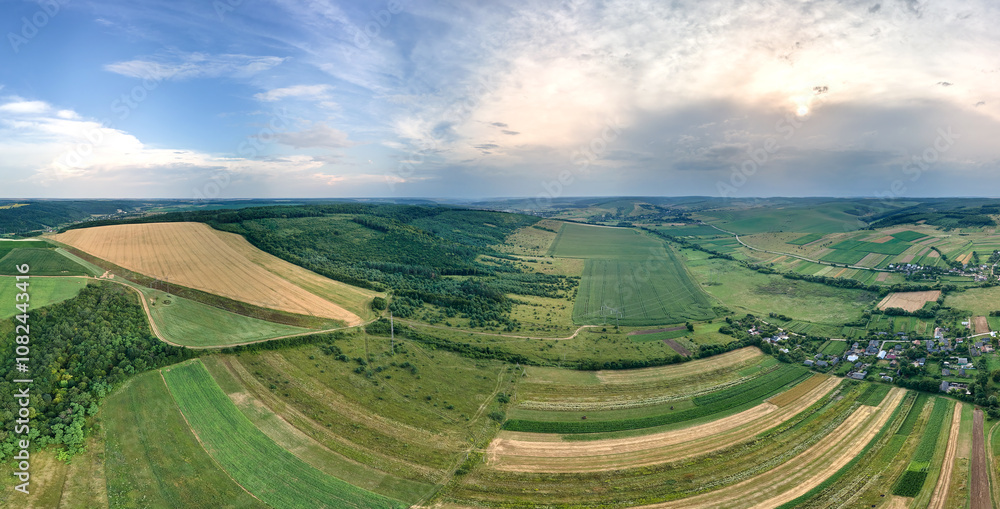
<point>537,452</point>
<point>193,255</point>
<point>910,301</point>
<point>354,299</point>
<point>982,326</point>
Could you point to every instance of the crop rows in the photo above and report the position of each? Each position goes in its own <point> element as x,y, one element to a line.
<point>911,419</point>
<point>801,241</point>
<point>912,481</point>
<point>925,450</point>
<point>642,296</point>
<point>751,392</point>
<point>874,394</point>
<point>893,247</point>
<point>870,463</point>
<point>241,449</point>
<point>757,455</point>
<point>844,256</point>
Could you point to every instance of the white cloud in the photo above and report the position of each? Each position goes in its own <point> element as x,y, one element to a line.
<point>307,92</point>
<point>22,107</point>
<point>183,66</point>
<point>62,153</point>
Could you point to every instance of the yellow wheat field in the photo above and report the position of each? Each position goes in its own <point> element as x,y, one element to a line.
<point>193,255</point>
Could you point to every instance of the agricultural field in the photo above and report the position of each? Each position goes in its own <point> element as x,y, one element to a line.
<point>977,301</point>
<point>909,301</point>
<point>534,240</point>
<point>46,261</point>
<point>189,323</point>
<point>240,449</point>
<point>629,278</point>
<point>43,291</point>
<point>739,288</point>
<point>530,363</point>
<point>806,218</point>
<point>194,255</point>
<point>153,459</point>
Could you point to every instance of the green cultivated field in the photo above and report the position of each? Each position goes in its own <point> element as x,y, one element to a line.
<point>153,460</point>
<point>909,235</point>
<point>801,241</point>
<point>716,404</point>
<point>191,323</point>
<point>743,289</point>
<point>978,301</point>
<point>42,291</point>
<point>43,262</point>
<point>892,247</point>
<point>629,272</point>
<point>271,473</point>
<point>842,256</point>
<point>7,246</point>
<point>813,218</point>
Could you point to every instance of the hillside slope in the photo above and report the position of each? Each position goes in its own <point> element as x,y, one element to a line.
<point>194,255</point>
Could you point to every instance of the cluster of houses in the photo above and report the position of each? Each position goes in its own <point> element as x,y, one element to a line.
<point>893,352</point>
<point>822,361</point>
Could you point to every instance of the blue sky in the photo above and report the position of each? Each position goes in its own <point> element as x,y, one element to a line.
<point>253,98</point>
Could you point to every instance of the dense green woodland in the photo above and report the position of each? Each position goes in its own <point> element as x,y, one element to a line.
<point>80,349</point>
<point>424,255</point>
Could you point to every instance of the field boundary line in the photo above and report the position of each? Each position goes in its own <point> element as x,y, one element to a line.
<point>478,333</point>
<point>820,262</point>
<point>990,461</point>
<point>940,495</point>
<point>198,438</point>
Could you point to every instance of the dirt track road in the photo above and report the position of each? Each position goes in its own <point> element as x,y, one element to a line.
<point>980,469</point>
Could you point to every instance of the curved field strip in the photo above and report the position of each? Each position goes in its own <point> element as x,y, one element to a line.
<point>241,450</point>
<point>940,495</point>
<point>677,371</point>
<point>353,428</point>
<point>666,481</point>
<point>153,459</point>
<point>558,390</point>
<point>192,255</point>
<point>309,449</point>
<point>354,299</point>
<point>725,402</point>
<point>805,471</point>
<point>519,452</point>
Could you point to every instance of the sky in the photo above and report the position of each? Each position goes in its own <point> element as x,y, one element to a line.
<point>219,99</point>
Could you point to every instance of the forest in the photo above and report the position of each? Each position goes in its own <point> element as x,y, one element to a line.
<point>423,255</point>
<point>80,349</point>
